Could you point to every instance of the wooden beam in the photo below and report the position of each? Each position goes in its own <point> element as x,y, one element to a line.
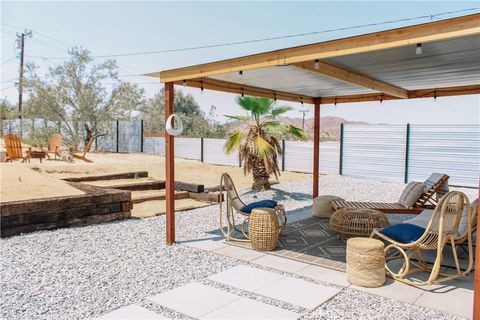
<point>407,36</point>
<point>169,167</point>
<point>224,86</point>
<point>345,75</point>
<point>412,94</point>
<point>316,146</point>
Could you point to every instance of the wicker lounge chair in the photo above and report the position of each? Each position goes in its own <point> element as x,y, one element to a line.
<point>234,205</point>
<point>13,144</point>
<point>441,230</point>
<point>435,183</point>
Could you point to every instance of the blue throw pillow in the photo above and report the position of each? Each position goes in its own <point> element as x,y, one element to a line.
<point>404,232</point>
<point>259,204</point>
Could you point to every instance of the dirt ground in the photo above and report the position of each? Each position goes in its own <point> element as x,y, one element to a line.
<point>42,180</point>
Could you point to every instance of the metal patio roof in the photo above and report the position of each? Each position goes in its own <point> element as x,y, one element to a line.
<point>375,66</point>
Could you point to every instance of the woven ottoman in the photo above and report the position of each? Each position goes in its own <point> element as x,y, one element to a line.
<point>365,262</point>
<point>349,223</point>
<point>321,206</point>
<point>263,229</point>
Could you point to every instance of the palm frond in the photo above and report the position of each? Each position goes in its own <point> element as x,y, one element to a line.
<point>297,132</point>
<point>239,118</point>
<point>280,110</point>
<point>233,142</point>
<point>262,147</point>
<point>256,105</point>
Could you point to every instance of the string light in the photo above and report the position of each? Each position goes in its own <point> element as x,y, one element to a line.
<point>335,102</point>
<point>201,88</point>
<point>184,82</point>
<point>274,96</point>
<point>381,99</point>
<point>317,64</point>
<point>240,72</point>
<point>242,93</point>
<point>435,95</point>
<point>419,49</point>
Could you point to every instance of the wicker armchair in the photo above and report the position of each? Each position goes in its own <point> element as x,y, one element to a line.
<point>441,229</point>
<point>234,205</point>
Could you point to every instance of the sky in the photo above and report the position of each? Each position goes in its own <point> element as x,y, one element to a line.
<point>113,27</point>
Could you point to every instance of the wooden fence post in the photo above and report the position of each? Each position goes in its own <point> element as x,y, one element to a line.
<point>340,163</point>
<point>141,136</point>
<point>117,135</point>
<point>407,152</point>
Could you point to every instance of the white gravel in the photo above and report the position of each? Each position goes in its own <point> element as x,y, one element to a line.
<point>83,272</point>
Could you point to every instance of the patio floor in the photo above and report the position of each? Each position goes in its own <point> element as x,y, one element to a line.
<point>454,297</point>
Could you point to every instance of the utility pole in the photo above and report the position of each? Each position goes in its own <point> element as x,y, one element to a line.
<point>21,45</point>
<point>303,112</point>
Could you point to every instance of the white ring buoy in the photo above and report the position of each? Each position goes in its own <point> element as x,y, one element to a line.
<point>169,125</point>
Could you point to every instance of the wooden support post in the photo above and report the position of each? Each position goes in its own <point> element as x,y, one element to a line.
<point>316,146</point>
<point>407,152</point>
<point>283,155</point>
<point>201,149</point>
<point>476,276</point>
<point>169,167</point>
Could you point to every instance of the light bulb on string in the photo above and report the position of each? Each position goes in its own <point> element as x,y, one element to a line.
<point>317,64</point>
<point>419,49</point>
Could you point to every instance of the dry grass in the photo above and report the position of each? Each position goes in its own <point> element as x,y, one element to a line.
<point>35,180</point>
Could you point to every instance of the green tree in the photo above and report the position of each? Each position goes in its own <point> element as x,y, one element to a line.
<point>195,123</point>
<point>76,94</point>
<point>257,146</point>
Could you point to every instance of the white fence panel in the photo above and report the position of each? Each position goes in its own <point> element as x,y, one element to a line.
<point>213,153</point>
<point>129,136</point>
<point>450,149</point>
<point>299,156</point>
<point>188,148</point>
<point>329,157</point>
<point>374,151</point>
<point>154,145</point>
<point>108,142</point>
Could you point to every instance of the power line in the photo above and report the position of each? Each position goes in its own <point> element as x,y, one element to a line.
<point>8,60</point>
<point>430,17</point>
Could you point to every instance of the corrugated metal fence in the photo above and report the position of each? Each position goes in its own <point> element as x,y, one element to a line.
<point>383,152</point>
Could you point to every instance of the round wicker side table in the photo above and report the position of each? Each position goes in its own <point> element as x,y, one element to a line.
<point>365,262</point>
<point>349,223</point>
<point>263,229</point>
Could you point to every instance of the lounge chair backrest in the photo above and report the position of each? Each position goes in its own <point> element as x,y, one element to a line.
<point>444,221</point>
<point>436,183</point>
<point>55,142</point>
<point>13,144</point>
<point>232,196</point>
<point>462,235</point>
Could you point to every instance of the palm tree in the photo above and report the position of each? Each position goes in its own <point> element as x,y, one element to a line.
<point>257,146</point>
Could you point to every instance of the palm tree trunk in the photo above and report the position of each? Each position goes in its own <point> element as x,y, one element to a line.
<point>260,175</point>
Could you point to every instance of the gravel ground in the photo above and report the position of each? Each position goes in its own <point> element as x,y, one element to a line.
<point>80,273</point>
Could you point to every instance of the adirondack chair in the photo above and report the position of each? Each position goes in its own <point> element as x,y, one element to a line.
<point>13,144</point>
<point>85,150</point>
<point>54,145</point>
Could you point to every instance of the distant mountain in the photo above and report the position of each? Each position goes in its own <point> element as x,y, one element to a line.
<point>329,126</point>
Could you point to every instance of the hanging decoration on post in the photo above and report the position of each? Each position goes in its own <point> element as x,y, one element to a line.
<point>169,125</point>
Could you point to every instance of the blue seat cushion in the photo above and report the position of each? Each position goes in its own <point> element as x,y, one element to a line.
<point>404,232</point>
<point>259,204</point>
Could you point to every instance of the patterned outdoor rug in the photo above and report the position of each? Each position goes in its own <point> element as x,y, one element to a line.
<point>312,241</point>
